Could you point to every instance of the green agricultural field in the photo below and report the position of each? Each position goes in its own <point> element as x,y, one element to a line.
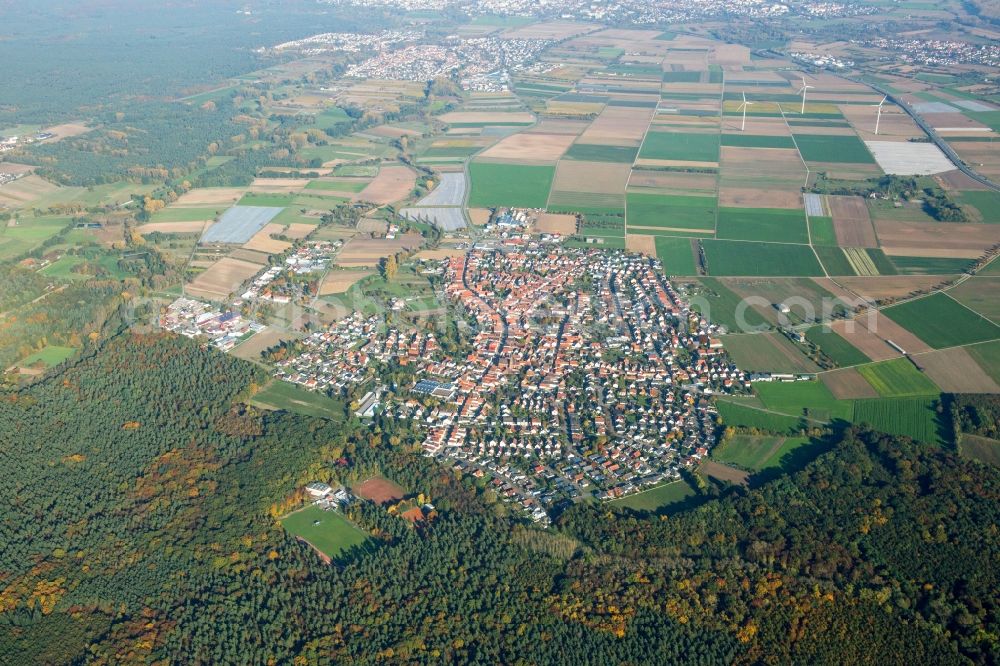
<point>681,77</point>
<point>763,224</point>
<point>730,257</point>
<point>941,321</point>
<point>767,352</point>
<point>930,265</point>
<point>821,231</point>
<point>677,256</point>
<point>657,498</point>
<point>719,304</point>
<point>912,417</point>
<point>268,200</point>
<point>63,268</point>
<point>594,153</point>
<point>188,214</point>
<point>327,531</point>
<point>986,203</point>
<point>987,355</point>
<point>680,146</point>
<point>979,294</point>
<point>743,416</point>
<point>515,185</point>
<point>833,149</point>
<point>898,378</point>
<point>289,397</point>
<point>810,399</point>
<point>842,352</point>
<point>49,356</point>
<point>755,141</point>
<point>757,452</point>
<point>29,233</point>
<point>671,211</point>
<point>337,185</point>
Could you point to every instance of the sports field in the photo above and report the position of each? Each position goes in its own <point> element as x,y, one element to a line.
<point>732,257</point>
<point>289,397</point>
<point>327,531</point>
<point>514,185</point>
<point>897,378</point>
<point>671,211</point>
<point>941,321</point>
<point>763,224</point>
<point>757,452</point>
<point>657,498</point>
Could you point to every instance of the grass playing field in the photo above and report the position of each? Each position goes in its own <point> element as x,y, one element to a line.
<point>941,321</point>
<point>898,378</point>
<point>289,397</point>
<point>48,356</point>
<point>731,257</point>
<point>763,224</point>
<point>757,452</point>
<point>328,531</point>
<point>515,185</point>
<point>657,498</point>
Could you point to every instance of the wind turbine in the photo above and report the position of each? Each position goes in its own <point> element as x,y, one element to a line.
<point>879,116</point>
<point>743,108</point>
<point>803,90</point>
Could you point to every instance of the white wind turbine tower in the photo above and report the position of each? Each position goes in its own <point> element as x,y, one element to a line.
<point>743,108</point>
<point>803,90</point>
<point>879,116</point>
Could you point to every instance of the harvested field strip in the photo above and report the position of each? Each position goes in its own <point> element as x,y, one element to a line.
<point>860,262</point>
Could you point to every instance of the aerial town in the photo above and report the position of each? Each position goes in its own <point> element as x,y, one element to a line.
<point>588,374</point>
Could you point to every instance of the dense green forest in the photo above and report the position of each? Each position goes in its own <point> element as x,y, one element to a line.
<point>139,524</point>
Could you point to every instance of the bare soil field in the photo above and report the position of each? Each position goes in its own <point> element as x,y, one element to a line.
<point>730,54</point>
<point>957,180</point>
<point>895,124</point>
<point>848,384</point>
<point>209,196</point>
<point>262,241</point>
<point>673,180</point>
<point>595,177</point>
<point>756,126</point>
<point>955,371</point>
<point>745,197</point>
<point>379,490</point>
<point>67,130</point>
<point>441,253</point>
<point>252,256</point>
<point>255,346</point>
<point>648,163</point>
<point>618,126</point>
<point>15,168</point>
<point>337,282</point>
<point>360,252</point>
<point>299,230</point>
<point>852,222</point>
<point>370,225</point>
<point>222,278</point>
<point>867,342</point>
<point>951,121</point>
<point>392,132</point>
<point>529,148</point>
<point>984,155</point>
<point>891,286</point>
<point>641,243</point>
<point>554,223</point>
<point>761,167</point>
<point>393,183</point>
<point>479,216</point>
<point>25,190</point>
<point>558,126</point>
<point>966,241</point>
<point>278,185</point>
<point>887,329</point>
<point>487,117</point>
